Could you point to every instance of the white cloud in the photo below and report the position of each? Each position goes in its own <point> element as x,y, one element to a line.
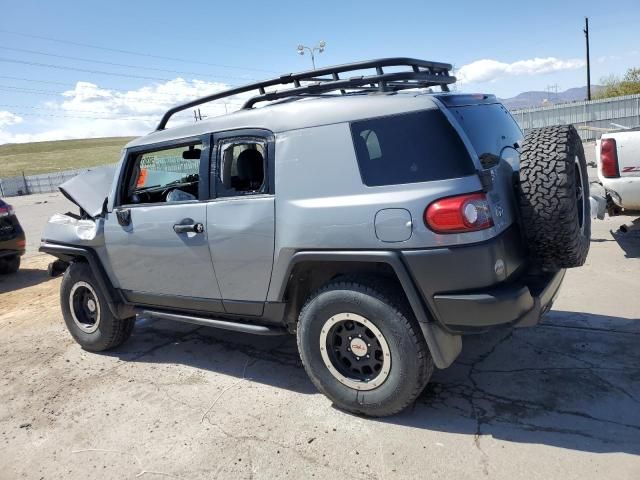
<point>488,70</point>
<point>8,118</point>
<point>89,110</point>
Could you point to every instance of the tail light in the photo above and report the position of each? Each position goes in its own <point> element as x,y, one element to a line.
<point>21,243</point>
<point>609,158</point>
<point>463,213</point>
<point>6,210</point>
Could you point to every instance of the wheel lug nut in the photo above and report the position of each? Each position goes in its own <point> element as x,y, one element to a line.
<point>348,349</point>
<point>359,335</point>
<point>367,356</point>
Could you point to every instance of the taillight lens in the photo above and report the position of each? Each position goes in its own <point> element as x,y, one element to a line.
<point>6,210</point>
<point>609,158</point>
<point>464,213</point>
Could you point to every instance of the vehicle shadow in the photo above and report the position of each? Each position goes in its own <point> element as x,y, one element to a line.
<point>23,278</point>
<point>270,360</point>
<point>572,382</point>
<point>629,242</point>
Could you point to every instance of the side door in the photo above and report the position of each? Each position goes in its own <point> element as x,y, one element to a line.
<point>241,219</point>
<point>156,236</point>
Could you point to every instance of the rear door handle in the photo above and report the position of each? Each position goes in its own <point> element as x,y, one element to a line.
<point>188,228</point>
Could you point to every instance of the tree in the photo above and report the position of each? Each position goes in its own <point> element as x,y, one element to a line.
<point>615,87</point>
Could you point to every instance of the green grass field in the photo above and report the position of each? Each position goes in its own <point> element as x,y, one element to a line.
<point>47,157</point>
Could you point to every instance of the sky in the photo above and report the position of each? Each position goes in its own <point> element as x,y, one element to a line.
<point>79,69</point>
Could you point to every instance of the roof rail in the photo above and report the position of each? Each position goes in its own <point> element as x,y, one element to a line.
<point>423,74</point>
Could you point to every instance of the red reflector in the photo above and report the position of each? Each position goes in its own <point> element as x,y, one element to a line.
<point>464,213</point>
<point>21,243</point>
<point>609,158</point>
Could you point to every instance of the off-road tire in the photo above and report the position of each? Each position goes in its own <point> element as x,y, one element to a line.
<point>388,310</point>
<point>9,264</point>
<point>111,332</point>
<point>553,195</point>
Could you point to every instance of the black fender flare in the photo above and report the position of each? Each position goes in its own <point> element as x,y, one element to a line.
<point>69,253</point>
<point>444,346</point>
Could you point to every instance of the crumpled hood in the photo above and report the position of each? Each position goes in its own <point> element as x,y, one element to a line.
<point>89,189</point>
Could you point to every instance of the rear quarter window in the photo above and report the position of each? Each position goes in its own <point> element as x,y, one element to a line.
<point>490,128</point>
<point>409,148</point>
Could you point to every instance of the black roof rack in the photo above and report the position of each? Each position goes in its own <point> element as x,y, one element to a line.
<point>422,74</point>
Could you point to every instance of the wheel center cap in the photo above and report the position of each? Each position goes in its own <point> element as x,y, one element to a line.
<point>358,347</point>
<point>91,305</point>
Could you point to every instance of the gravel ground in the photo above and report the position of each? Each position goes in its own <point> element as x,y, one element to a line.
<point>179,401</point>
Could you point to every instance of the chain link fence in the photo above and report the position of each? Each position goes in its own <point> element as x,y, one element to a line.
<point>591,119</point>
<point>28,184</point>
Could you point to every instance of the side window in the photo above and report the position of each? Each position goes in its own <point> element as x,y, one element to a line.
<point>411,147</point>
<point>242,166</point>
<point>170,175</point>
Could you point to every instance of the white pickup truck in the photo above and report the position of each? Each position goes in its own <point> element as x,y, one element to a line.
<point>618,159</point>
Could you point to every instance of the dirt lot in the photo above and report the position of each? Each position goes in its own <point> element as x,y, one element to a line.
<point>558,401</point>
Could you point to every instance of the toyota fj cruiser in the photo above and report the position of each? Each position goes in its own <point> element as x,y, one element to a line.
<point>376,219</point>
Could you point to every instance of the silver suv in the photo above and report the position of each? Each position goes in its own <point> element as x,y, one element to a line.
<point>377,220</point>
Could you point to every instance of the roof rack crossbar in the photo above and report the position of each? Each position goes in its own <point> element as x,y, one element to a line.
<point>423,74</point>
<point>385,82</point>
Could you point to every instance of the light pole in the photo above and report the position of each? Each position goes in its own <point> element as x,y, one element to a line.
<point>312,51</point>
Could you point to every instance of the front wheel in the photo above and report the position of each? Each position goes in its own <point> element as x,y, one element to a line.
<point>362,347</point>
<point>87,314</point>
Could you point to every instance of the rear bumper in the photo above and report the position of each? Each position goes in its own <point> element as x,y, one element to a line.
<point>521,303</point>
<point>13,246</point>
<point>624,191</point>
<point>470,289</point>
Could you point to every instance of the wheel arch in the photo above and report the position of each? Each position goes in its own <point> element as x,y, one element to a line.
<point>72,253</point>
<point>309,270</point>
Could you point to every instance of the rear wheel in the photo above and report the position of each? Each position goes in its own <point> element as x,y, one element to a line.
<point>9,264</point>
<point>362,347</point>
<point>87,314</point>
<point>554,197</point>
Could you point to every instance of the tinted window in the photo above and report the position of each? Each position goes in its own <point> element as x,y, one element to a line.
<point>408,148</point>
<point>490,128</point>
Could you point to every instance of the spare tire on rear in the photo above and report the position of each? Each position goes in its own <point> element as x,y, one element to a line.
<point>553,196</point>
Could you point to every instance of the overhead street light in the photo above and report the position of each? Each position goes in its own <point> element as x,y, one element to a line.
<point>312,50</point>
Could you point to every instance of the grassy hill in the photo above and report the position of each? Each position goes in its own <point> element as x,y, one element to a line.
<point>47,157</point>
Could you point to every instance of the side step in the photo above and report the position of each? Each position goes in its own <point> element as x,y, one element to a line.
<point>222,324</point>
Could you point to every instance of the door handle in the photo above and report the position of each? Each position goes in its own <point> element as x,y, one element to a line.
<point>124,217</point>
<point>188,228</point>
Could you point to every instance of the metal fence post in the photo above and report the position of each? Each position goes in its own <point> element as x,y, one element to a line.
<point>26,187</point>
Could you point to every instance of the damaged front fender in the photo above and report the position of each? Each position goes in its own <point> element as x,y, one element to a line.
<point>71,230</point>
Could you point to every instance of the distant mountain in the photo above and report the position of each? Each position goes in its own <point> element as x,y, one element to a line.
<point>540,99</point>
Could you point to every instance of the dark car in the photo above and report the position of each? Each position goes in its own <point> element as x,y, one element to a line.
<point>12,240</point>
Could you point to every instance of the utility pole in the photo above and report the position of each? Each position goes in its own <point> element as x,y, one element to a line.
<point>586,36</point>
